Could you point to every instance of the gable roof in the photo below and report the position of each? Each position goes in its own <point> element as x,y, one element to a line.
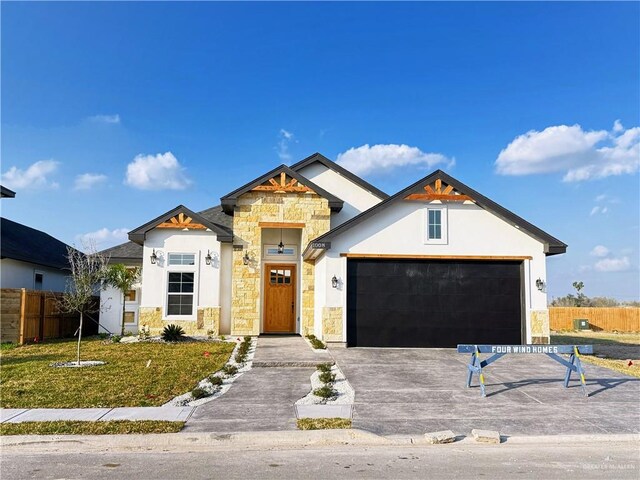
<point>319,158</point>
<point>27,244</point>
<point>139,234</point>
<point>229,201</point>
<point>6,193</point>
<point>552,245</point>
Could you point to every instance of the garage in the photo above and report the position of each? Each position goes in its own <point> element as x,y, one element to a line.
<point>433,303</point>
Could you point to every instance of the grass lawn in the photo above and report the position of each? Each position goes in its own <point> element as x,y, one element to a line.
<point>323,423</point>
<point>90,428</point>
<point>125,381</point>
<point>611,350</point>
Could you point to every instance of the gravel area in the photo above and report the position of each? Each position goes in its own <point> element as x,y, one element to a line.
<point>346,394</point>
<point>217,390</point>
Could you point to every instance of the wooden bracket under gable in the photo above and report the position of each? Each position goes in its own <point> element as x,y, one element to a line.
<point>285,185</point>
<point>181,221</point>
<point>439,191</point>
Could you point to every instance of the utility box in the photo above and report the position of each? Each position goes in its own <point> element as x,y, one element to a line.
<point>580,324</point>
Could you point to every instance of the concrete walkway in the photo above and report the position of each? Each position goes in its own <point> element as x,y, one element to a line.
<point>19,415</point>
<point>264,397</point>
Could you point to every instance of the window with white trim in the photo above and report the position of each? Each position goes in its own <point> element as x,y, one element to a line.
<point>289,251</point>
<point>436,225</point>
<point>180,290</point>
<point>182,259</point>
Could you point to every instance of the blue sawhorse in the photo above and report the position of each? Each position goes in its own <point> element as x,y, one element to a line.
<point>574,364</point>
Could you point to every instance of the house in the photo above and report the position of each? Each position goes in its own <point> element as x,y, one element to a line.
<point>314,249</point>
<point>31,259</point>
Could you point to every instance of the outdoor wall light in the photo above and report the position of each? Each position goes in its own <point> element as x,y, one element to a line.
<point>154,257</point>
<point>246,258</point>
<point>334,282</point>
<point>208,258</point>
<point>540,284</point>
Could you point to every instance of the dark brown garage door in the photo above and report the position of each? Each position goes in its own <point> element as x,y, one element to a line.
<point>433,303</point>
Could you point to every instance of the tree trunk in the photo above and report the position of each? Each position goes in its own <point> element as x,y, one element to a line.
<point>79,338</point>
<point>123,312</point>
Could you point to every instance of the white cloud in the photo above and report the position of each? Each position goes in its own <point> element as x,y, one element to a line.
<point>581,155</point>
<point>112,119</point>
<point>598,210</point>
<point>104,238</point>
<point>599,251</point>
<point>613,264</point>
<point>34,177</point>
<point>87,180</point>
<point>380,158</point>
<point>156,172</point>
<point>282,149</point>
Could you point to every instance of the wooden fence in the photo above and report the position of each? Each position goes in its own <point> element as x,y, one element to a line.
<point>31,315</point>
<point>609,319</point>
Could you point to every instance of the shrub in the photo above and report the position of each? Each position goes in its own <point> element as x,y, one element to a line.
<point>223,338</point>
<point>247,339</point>
<point>116,338</point>
<point>243,348</point>
<point>327,377</point>
<point>325,392</point>
<point>215,380</point>
<point>172,333</point>
<point>198,392</point>
<point>240,357</point>
<point>230,370</point>
<point>103,335</point>
<point>324,367</point>
<point>315,343</point>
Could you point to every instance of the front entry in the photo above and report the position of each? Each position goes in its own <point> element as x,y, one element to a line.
<point>279,298</point>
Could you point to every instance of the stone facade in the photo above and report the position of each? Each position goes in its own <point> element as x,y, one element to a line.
<point>332,324</point>
<point>208,321</point>
<point>540,332</point>
<point>251,209</point>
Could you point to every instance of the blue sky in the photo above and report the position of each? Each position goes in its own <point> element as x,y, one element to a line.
<point>113,113</point>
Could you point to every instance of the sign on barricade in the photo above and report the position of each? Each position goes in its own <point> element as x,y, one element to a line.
<point>573,364</point>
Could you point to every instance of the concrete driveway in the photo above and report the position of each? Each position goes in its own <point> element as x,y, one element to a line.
<point>408,391</point>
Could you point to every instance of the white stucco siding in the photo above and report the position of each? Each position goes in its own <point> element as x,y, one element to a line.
<point>207,277</point>
<point>17,274</point>
<point>400,230</point>
<point>356,199</point>
<point>111,311</point>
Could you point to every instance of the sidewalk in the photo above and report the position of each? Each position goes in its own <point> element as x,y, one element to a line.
<point>19,415</point>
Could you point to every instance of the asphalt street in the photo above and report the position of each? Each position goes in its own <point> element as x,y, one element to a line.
<point>462,460</point>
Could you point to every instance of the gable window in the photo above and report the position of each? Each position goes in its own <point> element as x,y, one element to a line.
<point>180,293</point>
<point>436,225</point>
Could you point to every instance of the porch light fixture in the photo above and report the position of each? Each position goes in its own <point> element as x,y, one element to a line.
<point>334,282</point>
<point>208,258</point>
<point>246,258</point>
<point>280,245</point>
<point>540,284</point>
<point>154,257</point>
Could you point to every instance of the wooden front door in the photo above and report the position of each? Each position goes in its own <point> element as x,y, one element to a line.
<point>279,298</point>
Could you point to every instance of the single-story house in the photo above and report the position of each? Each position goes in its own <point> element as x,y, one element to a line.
<point>314,249</point>
<point>31,258</point>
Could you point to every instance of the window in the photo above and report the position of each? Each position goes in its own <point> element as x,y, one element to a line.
<point>280,277</point>
<point>182,259</point>
<point>38,280</point>
<point>436,225</point>
<point>130,296</point>
<point>272,251</point>
<point>180,293</point>
<point>129,317</point>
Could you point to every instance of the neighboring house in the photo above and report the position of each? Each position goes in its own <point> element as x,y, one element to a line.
<point>312,248</point>
<point>6,193</point>
<point>31,259</point>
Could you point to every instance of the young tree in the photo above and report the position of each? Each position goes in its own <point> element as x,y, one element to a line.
<point>87,271</point>
<point>123,279</point>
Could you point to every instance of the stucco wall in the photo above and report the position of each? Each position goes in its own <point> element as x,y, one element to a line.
<point>356,199</point>
<point>400,229</point>
<point>17,274</point>
<point>111,312</point>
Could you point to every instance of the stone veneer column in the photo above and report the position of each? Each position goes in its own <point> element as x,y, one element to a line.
<point>540,331</point>
<point>251,209</point>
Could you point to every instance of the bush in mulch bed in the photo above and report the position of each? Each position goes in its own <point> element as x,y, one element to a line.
<point>215,380</point>
<point>315,343</point>
<point>198,393</point>
<point>325,392</point>
<point>327,377</point>
<point>324,367</point>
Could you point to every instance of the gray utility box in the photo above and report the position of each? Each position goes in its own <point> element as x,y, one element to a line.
<point>580,324</point>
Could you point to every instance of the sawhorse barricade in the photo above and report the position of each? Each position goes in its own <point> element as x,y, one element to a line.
<point>553,351</point>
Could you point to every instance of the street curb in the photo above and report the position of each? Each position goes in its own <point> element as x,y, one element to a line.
<point>277,439</point>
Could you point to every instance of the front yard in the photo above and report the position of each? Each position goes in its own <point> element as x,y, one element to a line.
<point>611,350</point>
<point>136,374</point>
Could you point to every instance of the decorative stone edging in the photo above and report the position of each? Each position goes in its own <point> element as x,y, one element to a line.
<point>345,396</point>
<point>218,390</point>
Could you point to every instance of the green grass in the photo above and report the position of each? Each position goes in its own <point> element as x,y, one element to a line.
<point>7,346</point>
<point>90,428</point>
<point>125,381</point>
<point>323,423</point>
